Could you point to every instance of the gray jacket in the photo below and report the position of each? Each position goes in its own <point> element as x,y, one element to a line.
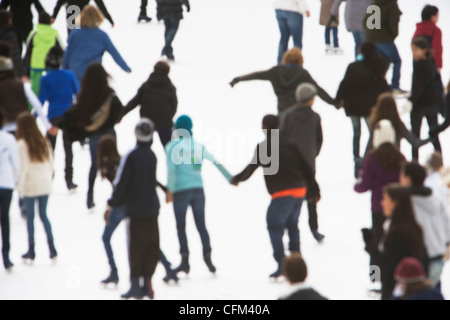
<point>432,216</point>
<point>354,13</point>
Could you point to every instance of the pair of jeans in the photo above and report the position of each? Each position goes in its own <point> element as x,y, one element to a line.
<point>357,129</point>
<point>435,268</point>
<point>390,52</point>
<point>30,203</point>
<point>67,149</point>
<point>172,25</point>
<point>93,146</point>
<point>328,31</point>
<point>416,126</point>
<point>283,214</point>
<point>165,135</point>
<point>115,218</point>
<point>378,220</point>
<point>5,204</point>
<point>290,24</point>
<point>195,199</point>
<point>359,37</point>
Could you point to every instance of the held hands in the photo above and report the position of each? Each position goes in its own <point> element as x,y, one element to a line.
<point>53,131</point>
<point>234,182</point>
<point>308,14</point>
<point>367,235</point>
<point>107,214</point>
<point>234,82</point>
<point>169,197</point>
<point>333,19</point>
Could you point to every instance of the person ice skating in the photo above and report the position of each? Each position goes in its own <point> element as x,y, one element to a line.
<point>39,43</point>
<point>425,95</point>
<point>59,88</point>
<point>355,12</point>
<point>35,179</point>
<point>81,4</point>
<point>402,237</point>
<point>15,97</point>
<point>143,13</point>
<point>22,17</point>
<point>185,159</point>
<point>171,12</point>
<point>296,272</point>
<point>303,126</point>
<point>9,176</point>
<point>358,92</point>
<point>135,188</point>
<point>384,36</point>
<point>95,114</point>
<point>88,45</point>
<point>8,35</point>
<point>381,167</point>
<point>292,183</point>
<point>413,284</point>
<point>290,15</point>
<point>158,100</point>
<point>285,79</point>
<point>331,27</point>
<point>431,214</point>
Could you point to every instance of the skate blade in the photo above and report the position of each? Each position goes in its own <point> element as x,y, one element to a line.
<point>10,270</point>
<point>54,260</point>
<point>28,262</point>
<point>72,191</point>
<point>110,286</point>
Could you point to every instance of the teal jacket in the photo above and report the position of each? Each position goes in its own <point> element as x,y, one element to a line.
<point>185,159</point>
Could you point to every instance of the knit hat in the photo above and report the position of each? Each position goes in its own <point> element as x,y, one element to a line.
<point>6,64</point>
<point>184,122</point>
<point>144,130</point>
<point>305,92</point>
<point>446,177</point>
<point>410,271</point>
<point>384,133</point>
<point>54,59</point>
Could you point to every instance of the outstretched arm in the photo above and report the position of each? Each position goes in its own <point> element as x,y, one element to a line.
<point>58,6</point>
<point>38,6</point>
<point>321,92</point>
<point>133,103</point>
<point>109,46</point>
<point>261,75</point>
<point>248,171</point>
<point>220,167</point>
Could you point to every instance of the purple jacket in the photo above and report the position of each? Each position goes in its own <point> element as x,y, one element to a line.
<point>375,179</point>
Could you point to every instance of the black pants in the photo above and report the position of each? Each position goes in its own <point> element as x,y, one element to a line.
<point>144,247</point>
<point>416,125</point>
<point>144,4</point>
<point>378,220</point>
<point>67,149</point>
<point>22,35</point>
<point>5,203</point>
<point>165,135</point>
<point>313,218</point>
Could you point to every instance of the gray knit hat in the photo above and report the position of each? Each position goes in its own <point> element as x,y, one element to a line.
<point>305,92</point>
<point>144,130</point>
<point>6,64</point>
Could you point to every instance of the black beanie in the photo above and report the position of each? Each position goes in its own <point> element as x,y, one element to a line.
<point>54,59</point>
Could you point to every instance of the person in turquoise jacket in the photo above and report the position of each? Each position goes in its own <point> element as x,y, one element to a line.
<point>39,43</point>
<point>185,158</point>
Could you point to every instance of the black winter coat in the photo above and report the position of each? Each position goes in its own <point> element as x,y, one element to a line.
<point>158,100</point>
<point>360,88</point>
<point>425,91</point>
<point>171,8</point>
<point>81,4</point>
<point>12,97</point>
<point>21,11</point>
<point>8,35</point>
<point>285,79</point>
<point>137,184</point>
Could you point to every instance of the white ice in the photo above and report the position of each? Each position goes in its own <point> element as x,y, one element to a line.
<point>218,40</point>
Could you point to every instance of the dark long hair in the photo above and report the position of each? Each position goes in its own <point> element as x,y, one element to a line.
<point>94,92</point>
<point>386,109</point>
<point>107,155</point>
<point>28,131</point>
<point>389,157</point>
<point>424,44</point>
<point>372,59</point>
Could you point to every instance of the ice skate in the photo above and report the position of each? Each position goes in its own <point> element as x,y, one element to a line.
<point>90,202</point>
<point>53,252</point>
<point>8,265</point>
<point>338,51</point>
<point>113,279</point>
<point>318,236</point>
<point>209,263</point>
<point>147,290</point>
<point>184,266</point>
<point>328,49</point>
<point>28,258</point>
<point>144,18</point>
<point>277,274</point>
<point>72,187</point>
<point>135,291</point>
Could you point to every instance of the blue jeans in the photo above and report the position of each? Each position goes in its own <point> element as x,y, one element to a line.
<point>328,31</point>
<point>283,214</point>
<point>172,24</point>
<point>356,122</point>
<point>390,52</point>
<point>93,146</point>
<point>435,268</point>
<point>196,200</point>
<point>115,218</point>
<point>5,203</point>
<point>29,204</point>
<point>359,37</point>
<point>290,24</point>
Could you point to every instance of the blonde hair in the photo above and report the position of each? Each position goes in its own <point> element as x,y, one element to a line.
<point>91,17</point>
<point>293,56</point>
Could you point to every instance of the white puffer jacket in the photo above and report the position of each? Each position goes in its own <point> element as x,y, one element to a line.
<point>35,179</point>
<point>299,6</point>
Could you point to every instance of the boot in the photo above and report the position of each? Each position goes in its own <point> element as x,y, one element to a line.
<point>147,289</point>
<point>30,255</point>
<point>90,201</point>
<point>72,187</point>
<point>112,279</point>
<point>209,264</point>
<point>277,273</point>
<point>170,273</point>
<point>53,252</point>
<point>7,263</point>
<point>135,291</point>
<point>143,17</point>
<point>318,236</point>
<point>184,266</point>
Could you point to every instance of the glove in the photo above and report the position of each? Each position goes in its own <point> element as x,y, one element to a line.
<point>235,82</point>
<point>367,235</point>
<point>332,19</point>
<point>188,5</point>
<point>313,194</point>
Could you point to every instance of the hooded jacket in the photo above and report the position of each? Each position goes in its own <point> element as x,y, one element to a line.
<point>355,11</point>
<point>433,33</point>
<point>432,216</point>
<point>390,19</point>
<point>9,161</point>
<point>158,100</point>
<point>425,91</point>
<point>285,79</point>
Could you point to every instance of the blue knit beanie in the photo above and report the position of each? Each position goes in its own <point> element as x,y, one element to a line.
<point>184,122</point>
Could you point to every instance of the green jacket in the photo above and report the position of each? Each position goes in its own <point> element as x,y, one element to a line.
<point>39,43</point>
<point>390,19</point>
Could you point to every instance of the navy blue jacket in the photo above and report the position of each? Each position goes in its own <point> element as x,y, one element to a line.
<point>135,183</point>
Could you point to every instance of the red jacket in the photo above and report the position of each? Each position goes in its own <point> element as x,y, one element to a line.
<point>432,32</point>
